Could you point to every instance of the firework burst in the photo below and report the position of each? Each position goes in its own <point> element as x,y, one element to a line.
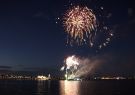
<point>79,22</point>
<point>71,66</point>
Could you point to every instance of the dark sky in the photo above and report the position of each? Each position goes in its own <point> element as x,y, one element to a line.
<point>30,39</point>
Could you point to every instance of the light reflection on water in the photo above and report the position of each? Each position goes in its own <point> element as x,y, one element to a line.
<point>29,87</point>
<point>69,88</point>
<point>43,87</point>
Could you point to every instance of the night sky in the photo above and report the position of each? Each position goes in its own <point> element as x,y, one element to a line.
<point>33,39</point>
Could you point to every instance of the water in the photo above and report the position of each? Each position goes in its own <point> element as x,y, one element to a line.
<point>102,87</point>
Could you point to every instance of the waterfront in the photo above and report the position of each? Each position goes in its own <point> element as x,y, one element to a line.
<point>96,87</point>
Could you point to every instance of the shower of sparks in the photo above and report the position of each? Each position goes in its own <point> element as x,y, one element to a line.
<point>79,23</point>
<point>71,67</point>
<point>85,26</point>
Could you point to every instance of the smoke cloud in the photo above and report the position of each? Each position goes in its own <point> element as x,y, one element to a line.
<point>88,66</point>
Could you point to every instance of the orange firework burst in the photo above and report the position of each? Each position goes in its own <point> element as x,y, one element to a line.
<point>78,23</point>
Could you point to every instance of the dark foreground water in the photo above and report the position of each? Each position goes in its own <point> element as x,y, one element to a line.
<point>102,87</point>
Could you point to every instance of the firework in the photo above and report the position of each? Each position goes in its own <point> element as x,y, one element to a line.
<point>76,67</point>
<point>83,26</point>
<point>72,61</point>
<point>79,22</point>
<point>71,67</point>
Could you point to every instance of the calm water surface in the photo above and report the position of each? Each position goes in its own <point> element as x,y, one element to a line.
<point>102,87</point>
